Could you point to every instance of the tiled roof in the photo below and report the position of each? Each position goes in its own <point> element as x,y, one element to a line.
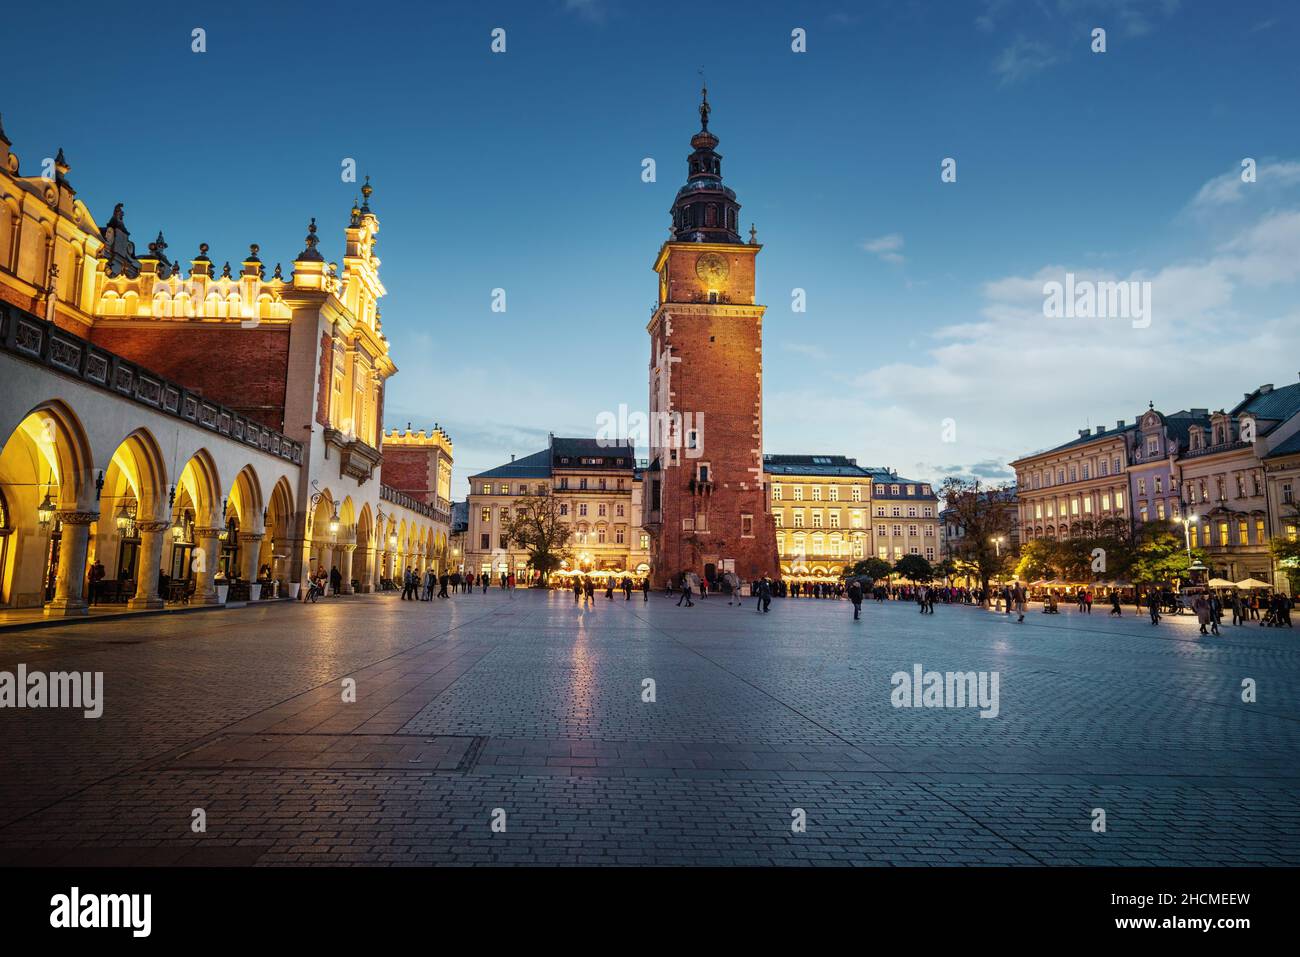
<point>812,465</point>
<point>537,465</point>
<point>1093,436</point>
<point>1290,447</point>
<point>1278,404</point>
<point>611,456</point>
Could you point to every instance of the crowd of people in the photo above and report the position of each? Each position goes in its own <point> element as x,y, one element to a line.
<point>1271,610</point>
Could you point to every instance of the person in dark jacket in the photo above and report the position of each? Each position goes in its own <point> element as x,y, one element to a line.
<point>855,596</point>
<point>336,580</point>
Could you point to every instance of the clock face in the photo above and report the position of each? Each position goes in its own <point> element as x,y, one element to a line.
<point>712,268</point>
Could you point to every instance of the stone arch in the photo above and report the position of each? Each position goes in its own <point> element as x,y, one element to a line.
<point>47,478</point>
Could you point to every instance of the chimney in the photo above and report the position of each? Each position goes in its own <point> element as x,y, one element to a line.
<point>1083,433</point>
<point>1204,412</point>
<point>1266,389</point>
<point>512,456</point>
<point>1119,423</point>
<point>1101,429</point>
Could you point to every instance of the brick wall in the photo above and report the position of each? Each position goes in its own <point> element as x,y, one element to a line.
<point>410,470</point>
<point>245,369</point>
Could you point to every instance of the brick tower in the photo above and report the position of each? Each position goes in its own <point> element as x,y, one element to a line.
<point>706,503</point>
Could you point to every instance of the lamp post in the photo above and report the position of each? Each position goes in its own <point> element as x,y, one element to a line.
<point>1188,522</point>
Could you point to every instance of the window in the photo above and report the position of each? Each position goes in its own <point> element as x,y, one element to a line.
<point>928,511</point>
<point>1142,486</point>
<point>835,518</point>
<point>777,517</point>
<point>893,490</point>
<point>618,510</point>
<point>485,541</point>
<point>1086,474</point>
<point>505,488</point>
<point>898,531</point>
<point>503,542</point>
<point>798,493</point>
<point>798,518</point>
<point>746,526</point>
<point>1287,494</point>
<point>1153,445</point>
<point>600,535</point>
<point>911,511</point>
<point>897,511</point>
<point>1074,474</point>
<point>1259,531</point>
<point>911,531</point>
<point>618,535</point>
<point>881,531</point>
<point>816,493</point>
<point>834,493</point>
<point>582,483</point>
<point>857,493</point>
<point>564,508</point>
<point>564,481</point>
<point>817,518</point>
<point>1160,511</point>
<point>486,515</point>
<point>880,511</point>
<point>1103,469</point>
<point>645,542</point>
<point>487,488</point>
<point>776,493</point>
<point>601,510</point>
<point>1243,532</point>
<point>1158,485</point>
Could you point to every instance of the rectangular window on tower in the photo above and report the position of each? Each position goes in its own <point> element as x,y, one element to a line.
<point>746,526</point>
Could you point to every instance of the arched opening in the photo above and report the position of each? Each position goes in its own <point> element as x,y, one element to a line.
<point>125,550</point>
<point>49,512</point>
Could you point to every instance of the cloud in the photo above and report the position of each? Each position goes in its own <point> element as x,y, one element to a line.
<point>886,248</point>
<point>1023,58</point>
<point>594,11</point>
<point>1228,188</point>
<point>1015,381</point>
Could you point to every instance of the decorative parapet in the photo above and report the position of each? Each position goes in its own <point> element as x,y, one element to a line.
<point>401,499</point>
<point>36,340</point>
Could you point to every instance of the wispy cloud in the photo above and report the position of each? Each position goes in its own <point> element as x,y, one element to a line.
<point>1229,187</point>
<point>595,11</point>
<point>886,248</point>
<point>1023,58</point>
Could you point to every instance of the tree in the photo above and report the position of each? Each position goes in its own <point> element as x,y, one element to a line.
<point>1039,558</point>
<point>914,568</point>
<point>984,516</point>
<point>1159,555</point>
<point>945,569</point>
<point>1287,553</point>
<point>873,568</point>
<point>535,525</point>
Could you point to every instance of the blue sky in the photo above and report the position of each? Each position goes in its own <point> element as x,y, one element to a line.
<point>522,171</point>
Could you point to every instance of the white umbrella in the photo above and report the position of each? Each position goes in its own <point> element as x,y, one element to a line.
<point>1222,583</point>
<point>1251,583</point>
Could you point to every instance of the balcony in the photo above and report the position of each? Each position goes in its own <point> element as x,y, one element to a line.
<point>356,459</point>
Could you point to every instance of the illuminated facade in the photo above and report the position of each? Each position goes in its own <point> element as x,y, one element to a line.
<point>1079,485</point>
<point>220,427</point>
<point>706,502</point>
<point>597,490</point>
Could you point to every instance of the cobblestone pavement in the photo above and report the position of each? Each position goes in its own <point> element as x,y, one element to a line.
<point>534,705</point>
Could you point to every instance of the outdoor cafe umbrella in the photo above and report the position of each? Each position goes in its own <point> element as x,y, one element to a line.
<point>1252,583</point>
<point>1224,583</point>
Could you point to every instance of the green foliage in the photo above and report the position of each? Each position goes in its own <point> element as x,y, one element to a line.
<point>914,568</point>
<point>873,568</point>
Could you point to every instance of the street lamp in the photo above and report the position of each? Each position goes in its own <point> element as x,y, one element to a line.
<point>1188,522</point>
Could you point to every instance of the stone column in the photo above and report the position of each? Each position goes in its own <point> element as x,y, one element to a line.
<point>251,545</point>
<point>207,549</point>
<point>69,587</point>
<point>327,562</point>
<point>152,537</point>
<point>345,568</point>
<point>369,580</point>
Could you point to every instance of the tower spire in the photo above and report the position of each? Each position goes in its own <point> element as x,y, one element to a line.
<point>705,211</point>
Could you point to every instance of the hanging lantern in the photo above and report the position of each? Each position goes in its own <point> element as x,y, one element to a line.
<point>45,511</point>
<point>334,521</point>
<point>123,518</point>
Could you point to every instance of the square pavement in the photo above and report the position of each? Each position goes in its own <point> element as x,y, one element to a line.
<point>531,709</point>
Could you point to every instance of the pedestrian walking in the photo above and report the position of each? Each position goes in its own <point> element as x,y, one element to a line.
<point>855,596</point>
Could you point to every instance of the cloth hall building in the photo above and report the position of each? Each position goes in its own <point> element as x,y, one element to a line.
<point>196,432</point>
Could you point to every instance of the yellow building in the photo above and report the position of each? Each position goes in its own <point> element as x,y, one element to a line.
<point>189,436</point>
<point>597,489</point>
